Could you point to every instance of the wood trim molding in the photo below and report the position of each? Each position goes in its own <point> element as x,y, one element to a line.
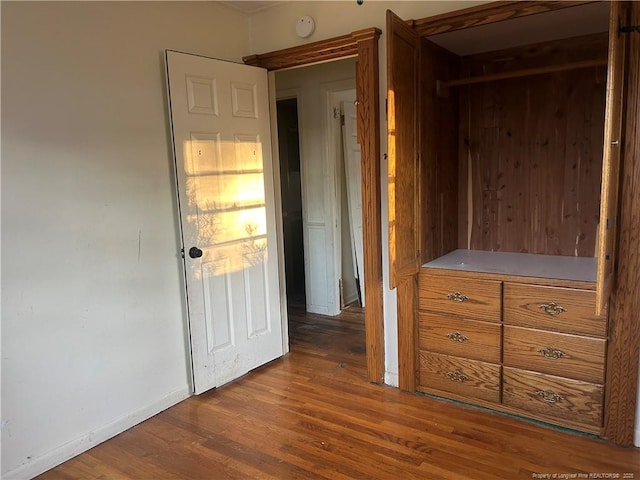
<point>485,14</point>
<point>364,45</point>
<point>368,98</point>
<point>331,49</point>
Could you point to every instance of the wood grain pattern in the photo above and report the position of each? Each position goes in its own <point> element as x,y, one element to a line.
<point>469,378</point>
<point>586,48</point>
<point>403,49</point>
<point>572,356</point>
<point>504,277</point>
<point>438,145</point>
<point>482,300</point>
<point>523,73</point>
<point>579,402</point>
<point>368,111</point>
<point>534,148</point>
<point>486,14</point>
<point>523,305</point>
<point>609,208</point>
<point>407,307</point>
<point>460,337</point>
<point>402,127</point>
<point>313,415</point>
<point>623,351</point>
<point>314,52</point>
<point>622,364</point>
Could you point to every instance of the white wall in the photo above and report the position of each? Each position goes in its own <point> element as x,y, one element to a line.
<point>93,324</point>
<point>274,28</point>
<point>637,435</point>
<point>318,176</point>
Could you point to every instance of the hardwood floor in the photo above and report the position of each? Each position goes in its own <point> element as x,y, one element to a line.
<point>312,415</point>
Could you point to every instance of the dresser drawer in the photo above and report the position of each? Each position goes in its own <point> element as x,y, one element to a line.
<point>468,378</point>
<point>572,356</point>
<point>553,397</point>
<point>460,337</point>
<point>461,297</point>
<point>552,308</point>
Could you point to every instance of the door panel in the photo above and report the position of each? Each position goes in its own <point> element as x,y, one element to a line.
<point>220,122</point>
<point>623,349</point>
<point>403,47</point>
<point>609,216</point>
<point>403,50</point>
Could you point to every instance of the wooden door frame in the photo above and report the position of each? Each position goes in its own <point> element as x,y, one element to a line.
<point>363,45</point>
<point>622,364</point>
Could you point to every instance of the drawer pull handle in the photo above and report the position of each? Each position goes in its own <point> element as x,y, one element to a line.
<point>457,297</point>
<point>552,353</point>
<point>457,337</point>
<point>457,377</point>
<point>549,396</point>
<point>552,308</point>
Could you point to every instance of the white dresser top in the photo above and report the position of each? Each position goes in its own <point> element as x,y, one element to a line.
<point>521,264</point>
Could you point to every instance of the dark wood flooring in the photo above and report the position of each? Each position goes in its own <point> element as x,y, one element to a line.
<point>312,415</point>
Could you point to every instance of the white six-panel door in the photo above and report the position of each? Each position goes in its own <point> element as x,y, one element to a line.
<point>220,122</point>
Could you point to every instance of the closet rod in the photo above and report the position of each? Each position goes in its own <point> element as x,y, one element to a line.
<point>522,73</point>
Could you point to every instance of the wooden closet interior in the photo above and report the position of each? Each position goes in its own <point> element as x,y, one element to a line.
<point>505,139</point>
<point>526,127</point>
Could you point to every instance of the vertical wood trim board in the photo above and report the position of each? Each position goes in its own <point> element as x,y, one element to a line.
<point>368,111</point>
<point>609,197</point>
<point>403,50</point>
<point>624,349</point>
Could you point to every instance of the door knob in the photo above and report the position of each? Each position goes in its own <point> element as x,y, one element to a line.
<point>195,252</point>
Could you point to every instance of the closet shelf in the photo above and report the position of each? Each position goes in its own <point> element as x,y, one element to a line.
<point>600,62</point>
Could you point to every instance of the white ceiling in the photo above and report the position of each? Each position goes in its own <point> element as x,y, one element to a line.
<point>248,6</point>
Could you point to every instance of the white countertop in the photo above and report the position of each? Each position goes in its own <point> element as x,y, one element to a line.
<point>521,264</point>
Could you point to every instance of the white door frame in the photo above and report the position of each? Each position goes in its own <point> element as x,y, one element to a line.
<point>275,149</point>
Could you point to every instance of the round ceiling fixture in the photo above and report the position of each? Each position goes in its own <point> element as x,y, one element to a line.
<point>305,26</point>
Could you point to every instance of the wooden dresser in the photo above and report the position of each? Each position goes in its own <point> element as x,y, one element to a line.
<point>514,332</point>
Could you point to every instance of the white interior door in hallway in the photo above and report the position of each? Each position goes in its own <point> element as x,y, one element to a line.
<point>222,147</point>
<point>354,189</point>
